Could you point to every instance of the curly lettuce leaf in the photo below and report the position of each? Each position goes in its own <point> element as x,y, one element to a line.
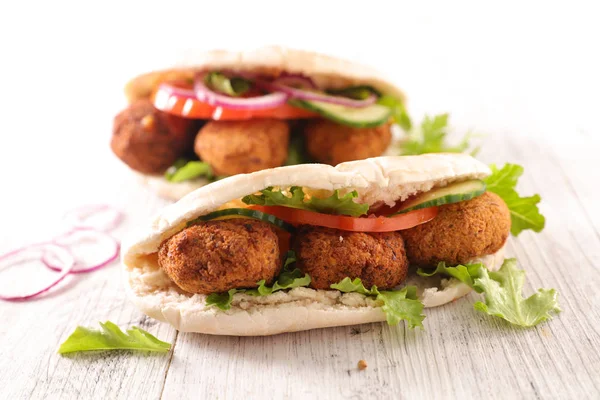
<point>184,170</point>
<point>502,292</point>
<point>524,211</point>
<point>289,278</point>
<point>111,337</point>
<point>222,300</point>
<point>399,113</point>
<point>334,204</point>
<point>431,138</point>
<point>234,87</point>
<point>398,305</point>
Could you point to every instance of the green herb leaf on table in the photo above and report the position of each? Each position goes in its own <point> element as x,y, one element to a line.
<point>111,337</point>
<point>184,170</point>
<point>334,204</point>
<point>432,138</point>
<point>399,113</point>
<point>398,305</point>
<point>524,211</point>
<point>503,292</point>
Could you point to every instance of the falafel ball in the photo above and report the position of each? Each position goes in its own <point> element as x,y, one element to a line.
<point>238,147</point>
<point>460,232</point>
<point>149,140</point>
<point>331,143</point>
<point>216,256</point>
<point>330,255</point>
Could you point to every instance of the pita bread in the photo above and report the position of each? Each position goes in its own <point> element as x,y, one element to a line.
<point>326,71</point>
<point>381,179</point>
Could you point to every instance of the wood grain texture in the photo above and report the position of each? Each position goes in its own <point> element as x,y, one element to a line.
<point>460,354</point>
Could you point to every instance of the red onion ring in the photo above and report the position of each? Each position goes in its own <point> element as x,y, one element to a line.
<point>80,265</point>
<point>67,265</point>
<point>79,217</point>
<point>302,94</point>
<point>271,100</point>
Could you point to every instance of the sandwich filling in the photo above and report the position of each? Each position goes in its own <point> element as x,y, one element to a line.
<point>212,124</point>
<point>280,239</point>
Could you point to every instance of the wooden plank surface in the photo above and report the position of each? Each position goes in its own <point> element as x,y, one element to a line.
<point>461,353</point>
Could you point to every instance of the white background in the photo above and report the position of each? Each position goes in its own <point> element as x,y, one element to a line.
<point>509,70</point>
<point>526,67</point>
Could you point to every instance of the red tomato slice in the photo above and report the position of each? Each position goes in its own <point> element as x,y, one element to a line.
<point>187,107</point>
<point>346,223</point>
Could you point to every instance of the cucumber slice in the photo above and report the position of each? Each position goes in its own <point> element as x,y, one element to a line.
<point>244,212</point>
<point>365,117</point>
<point>452,193</point>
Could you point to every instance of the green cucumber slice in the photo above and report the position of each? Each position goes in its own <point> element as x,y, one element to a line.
<point>245,212</point>
<point>452,193</point>
<point>365,117</point>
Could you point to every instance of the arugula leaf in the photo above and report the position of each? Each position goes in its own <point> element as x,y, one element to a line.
<point>288,279</point>
<point>111,337</point>
<point>184,170</point>
<point>334,204</point>
<point>524,212</point>
<point>399,113</point>
<point>432,138</point>
<point>397,305</point>
<point>503,292</point>
<point>222,300</point>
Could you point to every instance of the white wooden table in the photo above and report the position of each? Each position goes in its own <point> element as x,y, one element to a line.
<point>533,93</point>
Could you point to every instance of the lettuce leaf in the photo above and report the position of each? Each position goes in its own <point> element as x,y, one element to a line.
<point>222,300</point>
<point>398,305</point>
<point>502,292</point>
<point>235,86</point>
<point>289,278</point>
<point>111,337</point>
<point>524,212</point>
<point>432,138</point>
<point>333,204</point>
<point>399,113</point>
<point>184,170</point>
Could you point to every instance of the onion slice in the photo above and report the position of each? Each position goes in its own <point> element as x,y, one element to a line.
<point>101,217</point>
<point>65,258</point>
<point>107,250</point>
<point>308,95</point>
<point>205,94</point>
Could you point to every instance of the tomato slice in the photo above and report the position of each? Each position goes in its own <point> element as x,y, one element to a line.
<point>346,223</point>
<point>182,106</point>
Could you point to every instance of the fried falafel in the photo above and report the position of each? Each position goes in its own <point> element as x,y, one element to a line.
<point>331,143</point>
<point>216,256</point>
<point>148,140</point>
<point>238,147</point>
<point>330,255</point>
<point>460,232</point>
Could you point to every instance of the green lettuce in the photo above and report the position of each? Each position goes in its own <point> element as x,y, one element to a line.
<point>334,204</point>
<point>397,305</point>
<point>503,292</point>
<point>111,337</point>
<point>524,212</point>
<point>289,278</point>
<point>185,170</point>
<point>235,86</point>
<point>431,138</point>
<point>399,113</point>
